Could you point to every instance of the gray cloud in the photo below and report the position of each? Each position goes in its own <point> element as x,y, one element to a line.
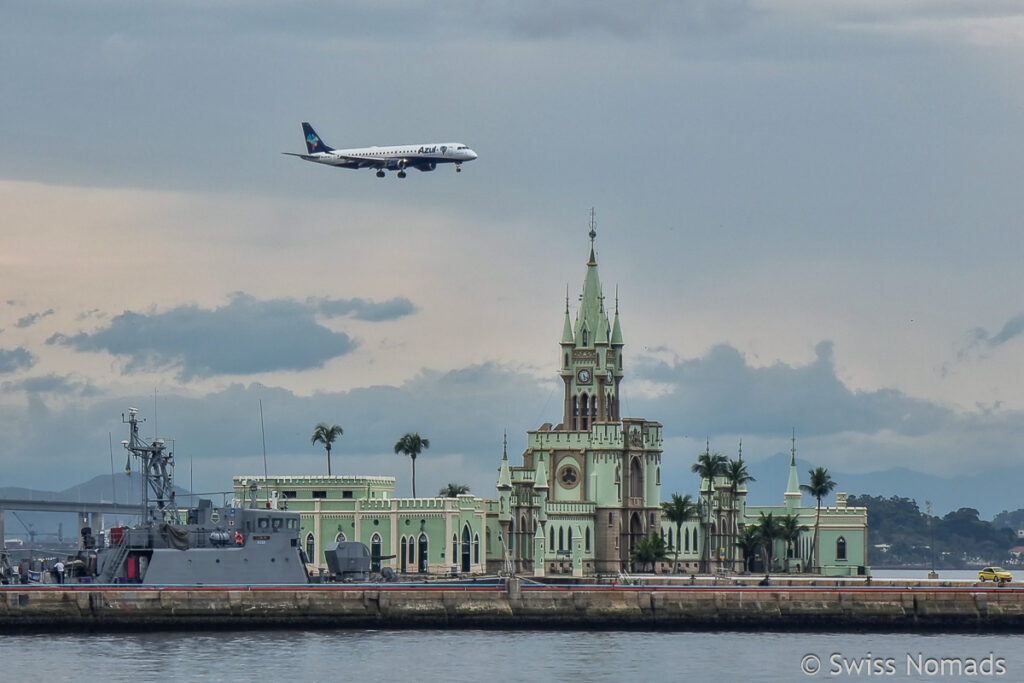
<point>720,394</point>
<point>1013,327</point>
<point>361,309</point>
<point>48,384</point>
<point>980,341</point>
<point>32,318</point>
<point>465,411</point>
<point>245,336</point>
<point>15,359</point>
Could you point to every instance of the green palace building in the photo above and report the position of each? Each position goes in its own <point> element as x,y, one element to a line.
<point>587,490</point>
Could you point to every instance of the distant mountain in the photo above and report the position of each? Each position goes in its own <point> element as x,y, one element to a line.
<point>1001,493</point>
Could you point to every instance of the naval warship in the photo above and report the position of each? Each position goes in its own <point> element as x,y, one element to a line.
<point>201,545</point>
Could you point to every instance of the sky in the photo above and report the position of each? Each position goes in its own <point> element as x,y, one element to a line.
<point>810,214</point>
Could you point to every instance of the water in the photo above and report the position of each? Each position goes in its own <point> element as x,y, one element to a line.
<point>534,656</point>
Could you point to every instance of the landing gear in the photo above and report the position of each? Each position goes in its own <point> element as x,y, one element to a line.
<point>380,174</point>
<point>401,174</point>
<point>458,168</point>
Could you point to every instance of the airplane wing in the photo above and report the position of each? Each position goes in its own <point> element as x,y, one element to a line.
<point>339,160</point>
<point>361,162</point>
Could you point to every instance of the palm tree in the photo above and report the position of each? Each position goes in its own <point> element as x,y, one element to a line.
<point>748,541</point>
<point>412,445</point>
<point>708,466</point>
<point>737,474</point>
<point>768,529</point>
<point>326,435</point>
<point>790,530</point>
<point>821,485</point>
<point>679,510</point>
<point>453,490</point>
<point>649,550</point>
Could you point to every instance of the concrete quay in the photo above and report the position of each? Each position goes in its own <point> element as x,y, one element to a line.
<point>512,604</point>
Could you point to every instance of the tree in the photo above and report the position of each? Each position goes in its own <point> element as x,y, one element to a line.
<point>768,530</point>
<point>820,485</point>
<point>412,445</point>
<point>679,510</point>
<point>737,474</point>
<point>327,436</point>
<point>708,466</point>
<point>748,541</point>
<point>452,490</point>
<point>649,550</point>
<point>790,529</point>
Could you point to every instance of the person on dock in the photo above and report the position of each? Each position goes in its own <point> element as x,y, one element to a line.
<point>59,571</point>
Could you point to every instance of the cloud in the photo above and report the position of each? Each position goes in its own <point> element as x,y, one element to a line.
<point>720,393</point>
<point>464,414</point>
<point>32,318</point>
<point>362,309</point>
<point>980,341</point>
<point>15,359</point>
<point>49,384</point>
<point>246,336</point>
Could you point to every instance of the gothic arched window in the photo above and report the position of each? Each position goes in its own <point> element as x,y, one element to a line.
<point>375,553</point>
<point>841,548</point>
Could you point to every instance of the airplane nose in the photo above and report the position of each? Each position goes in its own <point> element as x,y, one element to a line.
<point>471,153</point>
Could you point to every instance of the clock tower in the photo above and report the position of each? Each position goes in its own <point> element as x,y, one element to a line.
<point>589,488</point>
<point>591,363</point>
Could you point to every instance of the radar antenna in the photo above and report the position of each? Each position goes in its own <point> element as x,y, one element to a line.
<point>157,468</point>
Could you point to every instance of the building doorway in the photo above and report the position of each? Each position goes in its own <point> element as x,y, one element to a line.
<point>423,559</point>
<point>466,545</point>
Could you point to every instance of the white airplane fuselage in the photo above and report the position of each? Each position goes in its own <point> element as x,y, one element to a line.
<point>424,157</point>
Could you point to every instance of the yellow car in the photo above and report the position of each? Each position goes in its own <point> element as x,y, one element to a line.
<point>994,574</point>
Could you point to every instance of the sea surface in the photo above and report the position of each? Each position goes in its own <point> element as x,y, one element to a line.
<point>364,656</point>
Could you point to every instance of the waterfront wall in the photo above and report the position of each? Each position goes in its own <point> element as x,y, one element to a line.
<point>510,606</point>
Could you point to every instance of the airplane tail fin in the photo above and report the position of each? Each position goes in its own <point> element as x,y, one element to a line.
<point>313,142</point>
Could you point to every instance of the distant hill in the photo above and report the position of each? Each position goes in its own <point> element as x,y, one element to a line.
<point>947,495</point>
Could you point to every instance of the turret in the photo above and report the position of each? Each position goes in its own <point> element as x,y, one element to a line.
<point>504,486</point>
<point>793,495</point>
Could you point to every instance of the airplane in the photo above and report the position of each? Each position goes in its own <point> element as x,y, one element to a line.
<point>396,158</point>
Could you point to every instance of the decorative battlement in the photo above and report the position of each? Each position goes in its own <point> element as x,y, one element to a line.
<point>319,480</point>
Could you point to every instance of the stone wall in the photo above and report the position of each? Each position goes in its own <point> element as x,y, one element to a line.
<point>512,605</point>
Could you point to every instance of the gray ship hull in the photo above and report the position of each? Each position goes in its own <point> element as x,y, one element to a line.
<point>212,566</point>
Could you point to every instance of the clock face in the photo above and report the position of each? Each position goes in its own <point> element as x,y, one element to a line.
<point>583,375</point>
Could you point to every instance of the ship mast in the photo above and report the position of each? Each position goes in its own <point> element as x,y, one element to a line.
<point>157,468</point>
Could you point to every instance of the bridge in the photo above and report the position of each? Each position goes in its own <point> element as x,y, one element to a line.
<point>88,513</point>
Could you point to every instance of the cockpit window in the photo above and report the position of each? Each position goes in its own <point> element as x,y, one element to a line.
<point>277,523</point>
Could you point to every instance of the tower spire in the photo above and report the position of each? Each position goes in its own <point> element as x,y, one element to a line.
<point>792,458</point>
<point>793,486</point>
<point>592,234</point>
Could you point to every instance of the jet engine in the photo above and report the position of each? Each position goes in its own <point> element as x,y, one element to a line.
<point>396,164</point>
<point>427,166</point>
